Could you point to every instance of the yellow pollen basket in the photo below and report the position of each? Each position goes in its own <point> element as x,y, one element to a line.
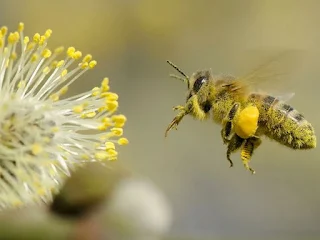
<point>247,122</point>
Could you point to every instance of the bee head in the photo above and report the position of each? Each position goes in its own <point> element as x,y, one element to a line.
<point>198,80</point>
<point>195,82</point>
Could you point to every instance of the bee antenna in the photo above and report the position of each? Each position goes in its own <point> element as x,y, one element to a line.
<point>178,69</point>
<point>178,77</point>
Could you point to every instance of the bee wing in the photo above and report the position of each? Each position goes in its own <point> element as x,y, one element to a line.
<point>273,74</point>
<point>285,97</point>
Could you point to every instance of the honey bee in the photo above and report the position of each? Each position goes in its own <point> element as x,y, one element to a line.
<point>245,115</point>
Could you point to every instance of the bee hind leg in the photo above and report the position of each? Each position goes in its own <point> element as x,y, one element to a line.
<point>233,145</point>
<point>227,125</point>
<point>247,151</point>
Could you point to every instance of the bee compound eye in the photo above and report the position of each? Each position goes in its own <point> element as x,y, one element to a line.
<point>199,82</point>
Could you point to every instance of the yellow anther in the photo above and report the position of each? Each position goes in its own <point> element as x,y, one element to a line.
<point>64,72</point>
<point>111,96</point>
<point>117,131</point>
<point>13,37</point>
<point>105,85</point>
<point>92,64</point>
<point>90,114</point>
<point>77,109</point>
<point>102,127</point>
<point>87,58</point>
<point>85,156</point>
<point>4,30</point>
<point>31,46</point>
<point>42,40</point>
<point>59,50</point>
<point>123,141</point>
<point>36,149</point>
<point>26,40</point>
<point>55,129</point>
<point>101,156</point>
<point>102,109</point>
<point>1,42</point>
<point>107,120</point>
<point>63,90</point>
<point>36,38</point>
<point>21,27</point>
<point>110,145</point>
<point>83,65</point>
<point>46,53</point>
<point>105,82</point>
<point>119,118</point>
<point>34,58</point>
<point>46,70</point>
<point>112,153</point>
<point>60,63</point>
<point>77,55</point>
<point>13,56</point>
<point>21,84</point>
<point>54,97</point>
<point>71,51</point>
<point>112,105</point>
<point>95,91</point>
<point>48,33</point>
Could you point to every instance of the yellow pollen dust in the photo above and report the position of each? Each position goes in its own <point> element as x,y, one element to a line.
<point>247,122</point>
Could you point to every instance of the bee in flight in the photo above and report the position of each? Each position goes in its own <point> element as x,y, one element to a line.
<point>245,115</point>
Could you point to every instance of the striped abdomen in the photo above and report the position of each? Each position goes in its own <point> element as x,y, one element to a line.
<point>281,122</point>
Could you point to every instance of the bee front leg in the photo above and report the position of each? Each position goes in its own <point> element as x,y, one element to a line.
<point>247,151</point>
<point>175,122</point>
<point>233,145</point>
<point>227,125</point>
<point>183,111</point>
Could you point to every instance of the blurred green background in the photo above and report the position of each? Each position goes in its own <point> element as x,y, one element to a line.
<point>132,39</point>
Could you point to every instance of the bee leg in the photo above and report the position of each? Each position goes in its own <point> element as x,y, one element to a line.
<point>175,122</point>
<point>227,125</point>
<point>234,144</point>
<point>226,131</point>
<point>247,151</point>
